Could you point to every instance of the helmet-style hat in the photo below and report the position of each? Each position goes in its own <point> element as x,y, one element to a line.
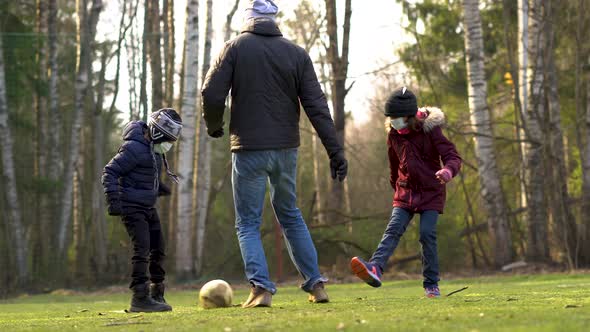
<point>165,124</point>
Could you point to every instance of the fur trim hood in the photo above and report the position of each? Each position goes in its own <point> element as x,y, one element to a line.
<point>434,118</point>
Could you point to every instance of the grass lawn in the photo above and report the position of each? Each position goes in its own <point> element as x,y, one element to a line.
<point>521,303</point>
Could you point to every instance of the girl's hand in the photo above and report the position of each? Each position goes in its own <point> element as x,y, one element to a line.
<point>444,175</point>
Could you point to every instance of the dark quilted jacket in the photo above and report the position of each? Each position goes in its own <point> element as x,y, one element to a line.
<point>133,174</point>
<point>414,159</point>
<point>269,77</point>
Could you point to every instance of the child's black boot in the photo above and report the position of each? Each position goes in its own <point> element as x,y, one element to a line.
<point>143,302</point>
<point>157,292</point>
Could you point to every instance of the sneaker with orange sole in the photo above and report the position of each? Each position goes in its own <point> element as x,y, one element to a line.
<point>367,272</point>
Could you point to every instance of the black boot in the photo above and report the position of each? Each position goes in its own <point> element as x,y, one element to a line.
<point>157,292</point>
<point>142,302</point>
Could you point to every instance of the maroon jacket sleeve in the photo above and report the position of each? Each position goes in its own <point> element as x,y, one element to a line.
<point>447,151</point>
<point>393,162</point>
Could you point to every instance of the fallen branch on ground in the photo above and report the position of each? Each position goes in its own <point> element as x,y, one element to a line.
<point>457,291</point>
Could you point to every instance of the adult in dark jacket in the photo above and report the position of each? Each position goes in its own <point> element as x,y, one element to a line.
<point>270,79</point>
<point>131,182</point>
<point>421,161</point>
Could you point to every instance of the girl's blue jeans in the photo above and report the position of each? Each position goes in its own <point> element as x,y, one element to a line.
<point>399,221</point>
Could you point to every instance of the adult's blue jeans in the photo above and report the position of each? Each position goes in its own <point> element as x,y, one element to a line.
<point>250,172</point>
<point>400,218</point>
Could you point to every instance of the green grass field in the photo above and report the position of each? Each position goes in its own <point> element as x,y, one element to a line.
<point>521,303</point>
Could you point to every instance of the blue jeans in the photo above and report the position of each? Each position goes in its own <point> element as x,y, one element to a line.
<point>250,172</point>
<point>400,218</point>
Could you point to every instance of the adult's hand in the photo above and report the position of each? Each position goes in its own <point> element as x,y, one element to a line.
<point>218,133</point>
<point>339,166</point>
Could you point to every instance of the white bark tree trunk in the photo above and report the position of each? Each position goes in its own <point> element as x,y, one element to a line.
<point>493,196</point>
<point>186,147</point>
<point>203,183</point>
<point>15,225</point>
<point>531,43</point>
<point>86,33</point>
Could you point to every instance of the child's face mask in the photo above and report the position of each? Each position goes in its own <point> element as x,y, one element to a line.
<point>399,123</point>
<point>162,148</point>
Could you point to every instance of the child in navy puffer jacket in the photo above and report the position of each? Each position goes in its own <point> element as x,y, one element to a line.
<point>131,182</point>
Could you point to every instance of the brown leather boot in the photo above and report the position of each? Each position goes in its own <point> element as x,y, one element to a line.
<point>259,297</point>
<point>318,294</point>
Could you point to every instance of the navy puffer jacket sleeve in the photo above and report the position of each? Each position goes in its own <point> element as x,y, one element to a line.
<point>122,163</point>
<point>132,176</point>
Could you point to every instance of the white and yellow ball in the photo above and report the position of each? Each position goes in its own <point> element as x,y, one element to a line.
<point>216,294</point>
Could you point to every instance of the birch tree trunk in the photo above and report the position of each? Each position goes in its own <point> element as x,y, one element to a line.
<point>531,43</point>
<point>493,196</point>
<point>339,71</point>
<point>86,33</point>
<point>15,226</point>
<point>186,147</point>
<point>203,175</point>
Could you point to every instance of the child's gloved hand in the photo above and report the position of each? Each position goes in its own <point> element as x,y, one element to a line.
<point>114,207</point>
<point>164,190</point>
<point>444,175</point>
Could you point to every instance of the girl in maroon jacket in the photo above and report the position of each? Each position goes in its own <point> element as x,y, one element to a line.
<point>421,160</point>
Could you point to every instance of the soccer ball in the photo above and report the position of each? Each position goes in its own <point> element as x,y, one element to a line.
<point>216,294</point>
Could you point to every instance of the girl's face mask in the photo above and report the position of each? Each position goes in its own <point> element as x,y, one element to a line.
<point>399,123</point>
<point>162,148</point>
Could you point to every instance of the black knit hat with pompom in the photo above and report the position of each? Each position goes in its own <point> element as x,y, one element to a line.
<point>402,102</point>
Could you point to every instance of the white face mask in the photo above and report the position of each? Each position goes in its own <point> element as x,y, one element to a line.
<point>162,148</point>
<point>398,123</point>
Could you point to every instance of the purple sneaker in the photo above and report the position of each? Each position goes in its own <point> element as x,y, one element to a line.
<point>367,272</point>
<point>432,292</point>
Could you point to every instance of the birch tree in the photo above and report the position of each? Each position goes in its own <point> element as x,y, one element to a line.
<point>86,25</point>
<point>203,175</point>
<point>531,47</point>
<point>186,146</point>
<point>493,195</point>
<point>15,224</point>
